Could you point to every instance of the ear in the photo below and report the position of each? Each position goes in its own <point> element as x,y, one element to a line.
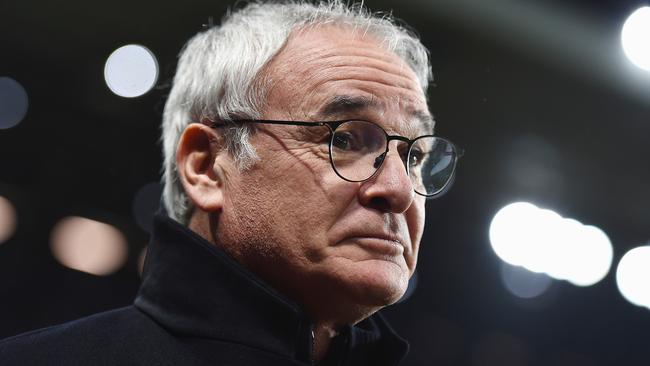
<point>195,162</point>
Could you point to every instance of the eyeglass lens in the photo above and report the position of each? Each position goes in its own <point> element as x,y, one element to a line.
<point>358,148</point>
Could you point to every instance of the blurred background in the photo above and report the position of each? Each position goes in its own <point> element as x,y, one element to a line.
<point>539,255</point>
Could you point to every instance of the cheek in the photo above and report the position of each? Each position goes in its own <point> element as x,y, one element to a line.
<point>338,192</point>
<point>415,219</point>
<point>310,189</point>
<point>312,206</point>
<point>297,194</point>
<point>302,199</point>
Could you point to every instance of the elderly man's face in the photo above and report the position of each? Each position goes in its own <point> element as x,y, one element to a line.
<point>329,243</point>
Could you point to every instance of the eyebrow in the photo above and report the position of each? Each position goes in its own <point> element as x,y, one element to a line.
<point>342,104</point>
<point>347,104</point>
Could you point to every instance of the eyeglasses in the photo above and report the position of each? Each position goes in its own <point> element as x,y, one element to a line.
<point>357,149</point>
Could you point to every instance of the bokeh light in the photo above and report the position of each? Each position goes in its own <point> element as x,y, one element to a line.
<point>542,241</point>
<point>635,37</point>
<point>524,283</point>
<point>145,205</point>
<point>88,245</point>
<point>633,274</point>
<point>8,219</point>
<point>131,71</point>
<point>13,103</point>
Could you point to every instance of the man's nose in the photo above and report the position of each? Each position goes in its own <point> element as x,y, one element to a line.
<point>390,190</point>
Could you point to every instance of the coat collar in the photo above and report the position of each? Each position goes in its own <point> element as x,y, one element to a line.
<point>193,288</point>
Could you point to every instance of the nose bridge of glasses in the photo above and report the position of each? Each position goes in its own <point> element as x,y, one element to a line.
<point>392,174</point>
<point>401,147</point>
<point>401,155</point>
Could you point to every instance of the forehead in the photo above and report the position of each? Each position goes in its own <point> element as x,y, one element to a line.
<point>330,72</point>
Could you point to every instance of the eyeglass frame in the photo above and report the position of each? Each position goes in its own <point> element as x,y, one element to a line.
<point>333,125</point>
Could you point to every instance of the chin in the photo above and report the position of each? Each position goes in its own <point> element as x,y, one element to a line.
<point>349,293</point>
<point>377,284</point>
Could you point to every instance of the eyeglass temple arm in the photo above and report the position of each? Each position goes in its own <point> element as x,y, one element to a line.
<point>331,124</point>
<point>265,121</point>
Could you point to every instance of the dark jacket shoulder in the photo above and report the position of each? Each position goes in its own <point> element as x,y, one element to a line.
<point>123,336</point>
<point>197,306</point>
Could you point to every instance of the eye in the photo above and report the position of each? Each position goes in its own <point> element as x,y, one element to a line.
<point>346,141</point>
<point>416,157</point>
<point>340,142</point>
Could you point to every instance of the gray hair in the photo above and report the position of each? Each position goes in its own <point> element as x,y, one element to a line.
<point>218,71</point>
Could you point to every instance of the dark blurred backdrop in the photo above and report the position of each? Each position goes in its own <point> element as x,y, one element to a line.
<point>538,92</point>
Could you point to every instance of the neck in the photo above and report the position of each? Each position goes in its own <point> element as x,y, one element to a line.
<point>323,334</point>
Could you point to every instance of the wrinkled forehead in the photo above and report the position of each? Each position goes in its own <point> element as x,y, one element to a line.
<point>412,121</point>
<point>333,73</point>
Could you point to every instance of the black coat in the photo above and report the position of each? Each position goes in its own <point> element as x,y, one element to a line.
<point>197,306</point>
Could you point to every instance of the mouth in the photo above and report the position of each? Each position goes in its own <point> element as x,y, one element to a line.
<point>382,245</point>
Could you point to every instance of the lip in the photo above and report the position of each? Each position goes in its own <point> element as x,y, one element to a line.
<point>387,245</point>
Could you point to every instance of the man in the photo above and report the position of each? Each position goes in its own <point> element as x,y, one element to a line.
<point>298,157</point>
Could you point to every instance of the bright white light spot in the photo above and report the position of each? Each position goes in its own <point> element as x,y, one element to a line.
<point>594,255</point>
<point>13,103</point>
<point>131,71</point>
<point>8,220</point>
<point>523,283</point>
<point>89,246</point>
<point>635,38</point>
<point>542,241</point>
<point>633,276</point>
<point>509,228</point>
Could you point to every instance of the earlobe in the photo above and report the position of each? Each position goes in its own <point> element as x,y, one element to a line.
<point>195,159</point>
